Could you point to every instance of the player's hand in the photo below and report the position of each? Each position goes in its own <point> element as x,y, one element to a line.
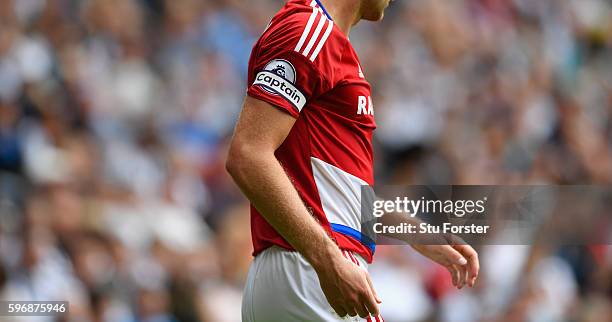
<point>348,288</point>
<point>460,260</point>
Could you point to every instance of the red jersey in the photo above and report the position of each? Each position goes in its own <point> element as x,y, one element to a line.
<point>304,65</point>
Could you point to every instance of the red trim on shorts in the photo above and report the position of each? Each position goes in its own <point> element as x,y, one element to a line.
<point>352,258</point>
<point>355,260</point>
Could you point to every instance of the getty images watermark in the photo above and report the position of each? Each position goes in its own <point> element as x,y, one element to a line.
<point>411,208</point>
<point>487,215</point>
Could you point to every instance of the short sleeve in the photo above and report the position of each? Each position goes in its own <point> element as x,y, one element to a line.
<point>285,79</point>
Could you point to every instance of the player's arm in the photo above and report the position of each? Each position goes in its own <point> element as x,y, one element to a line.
<point>460,259</point>
<point>251,162</point>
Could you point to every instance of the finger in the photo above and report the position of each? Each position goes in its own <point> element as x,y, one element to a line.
<point>370,303</point>
<point>473,262</point>
<point>373,290</point>
<point>454,274</point>
<point>340,310</point>
<point>452,256</point>
<point>462,276</point>
<point>351,311</point>
<point>363,311</point>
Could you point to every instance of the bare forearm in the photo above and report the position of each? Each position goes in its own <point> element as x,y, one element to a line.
<point>396,220</point>
<point>263,180</point>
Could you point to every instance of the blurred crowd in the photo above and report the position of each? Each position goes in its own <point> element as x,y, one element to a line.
<point>115,117</point>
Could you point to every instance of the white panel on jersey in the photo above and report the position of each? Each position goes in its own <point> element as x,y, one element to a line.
<point>340,193</point>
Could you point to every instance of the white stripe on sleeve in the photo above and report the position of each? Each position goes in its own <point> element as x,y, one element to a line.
<point>309,24</point>
<point>315,53</point>
<point>315,36</point>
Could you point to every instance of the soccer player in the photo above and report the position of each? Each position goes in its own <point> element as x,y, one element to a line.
<point>301,150</point>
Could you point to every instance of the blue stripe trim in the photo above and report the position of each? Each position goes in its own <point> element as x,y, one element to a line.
<point>365,240</point>
<point>324,11</point>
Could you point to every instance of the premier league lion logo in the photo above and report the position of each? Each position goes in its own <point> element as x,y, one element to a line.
<point>280,71</point>
<point>282,68</point>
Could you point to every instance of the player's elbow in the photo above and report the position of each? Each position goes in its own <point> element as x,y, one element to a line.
<point>234,163</point>
<point>241,158</point>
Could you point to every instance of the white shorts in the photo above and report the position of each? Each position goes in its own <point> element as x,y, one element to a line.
<point>282,286</point>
